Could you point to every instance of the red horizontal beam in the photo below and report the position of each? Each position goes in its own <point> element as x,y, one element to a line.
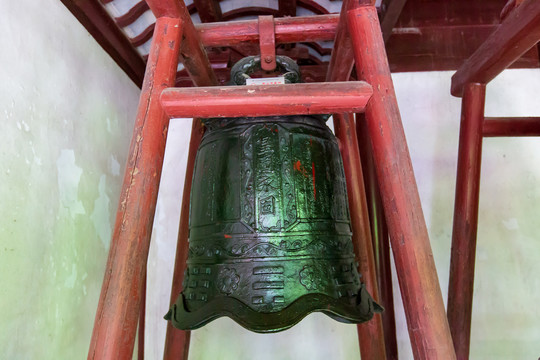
<point>517,33</point>
<point>288,30</point>
<point>511,126</point>
<point>436,48</point>
<point>267,100</point>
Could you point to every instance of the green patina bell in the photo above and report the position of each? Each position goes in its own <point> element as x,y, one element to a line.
<point>270,239</point>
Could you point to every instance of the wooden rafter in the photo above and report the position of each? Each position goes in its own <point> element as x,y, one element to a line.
<point>132,15</point>
<point>391,11</point>
<point>249,11</point>
<point>313,6</point>
<point>208,10</point>
<point>287,7</point>
<point>112,39</point>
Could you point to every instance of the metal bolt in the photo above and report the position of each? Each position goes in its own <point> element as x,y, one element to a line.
<point>268,59</point>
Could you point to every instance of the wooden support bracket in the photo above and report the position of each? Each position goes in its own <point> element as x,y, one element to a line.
<point>422,298</point>
<point>267,42</point>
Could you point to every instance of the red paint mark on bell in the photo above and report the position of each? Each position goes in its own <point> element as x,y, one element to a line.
<point>313,173</point>
<point>298,167</point>
<point>310,142</point>
<point>227,236</point>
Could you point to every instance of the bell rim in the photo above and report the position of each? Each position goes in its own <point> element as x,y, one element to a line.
<point>270,322</point>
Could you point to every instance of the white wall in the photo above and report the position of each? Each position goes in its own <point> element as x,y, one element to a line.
<point>505,315</point>
<point>67,113</point>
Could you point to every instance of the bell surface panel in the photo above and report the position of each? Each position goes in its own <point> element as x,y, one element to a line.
<point>270,237</point>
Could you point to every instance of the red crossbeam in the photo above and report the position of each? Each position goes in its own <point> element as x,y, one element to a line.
<point>266,100</point>
<point>288,30</point>
<point>511,126</point>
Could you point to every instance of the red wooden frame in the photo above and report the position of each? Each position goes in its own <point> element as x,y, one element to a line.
<point>266,100</point>
<point>424,308</point>
<point>518,32</point>
<point>370,334</point>
<point>118,309</point>
<point>379,236</point>
<point>175,37</point>
<point>287,30</point>
<point>511,126</point>
<point>463,251</point>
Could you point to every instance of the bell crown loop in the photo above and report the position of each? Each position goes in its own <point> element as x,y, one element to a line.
<point>243,68</point>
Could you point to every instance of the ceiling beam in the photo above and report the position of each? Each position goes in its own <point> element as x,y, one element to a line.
<point>287,7</point>
<point>391,11</point>
<point>519,32</point>
<point>439,48</point>
<point>112,39</point>
<point>208,10</point>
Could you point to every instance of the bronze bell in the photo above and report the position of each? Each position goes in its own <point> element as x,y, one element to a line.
<point>270,238</point>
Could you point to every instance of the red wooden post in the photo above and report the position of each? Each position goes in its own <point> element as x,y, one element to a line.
<point>342,60</point>
<point>177,341</point>
<point>195,60</point>
<point>142,317</point>
<point>424,307</point>
<point>266,100</point>
<point>370,334</point>
<point>379,236</point>
<point>460,288</point>
<point>116,318</point>
<point>192,53</point>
